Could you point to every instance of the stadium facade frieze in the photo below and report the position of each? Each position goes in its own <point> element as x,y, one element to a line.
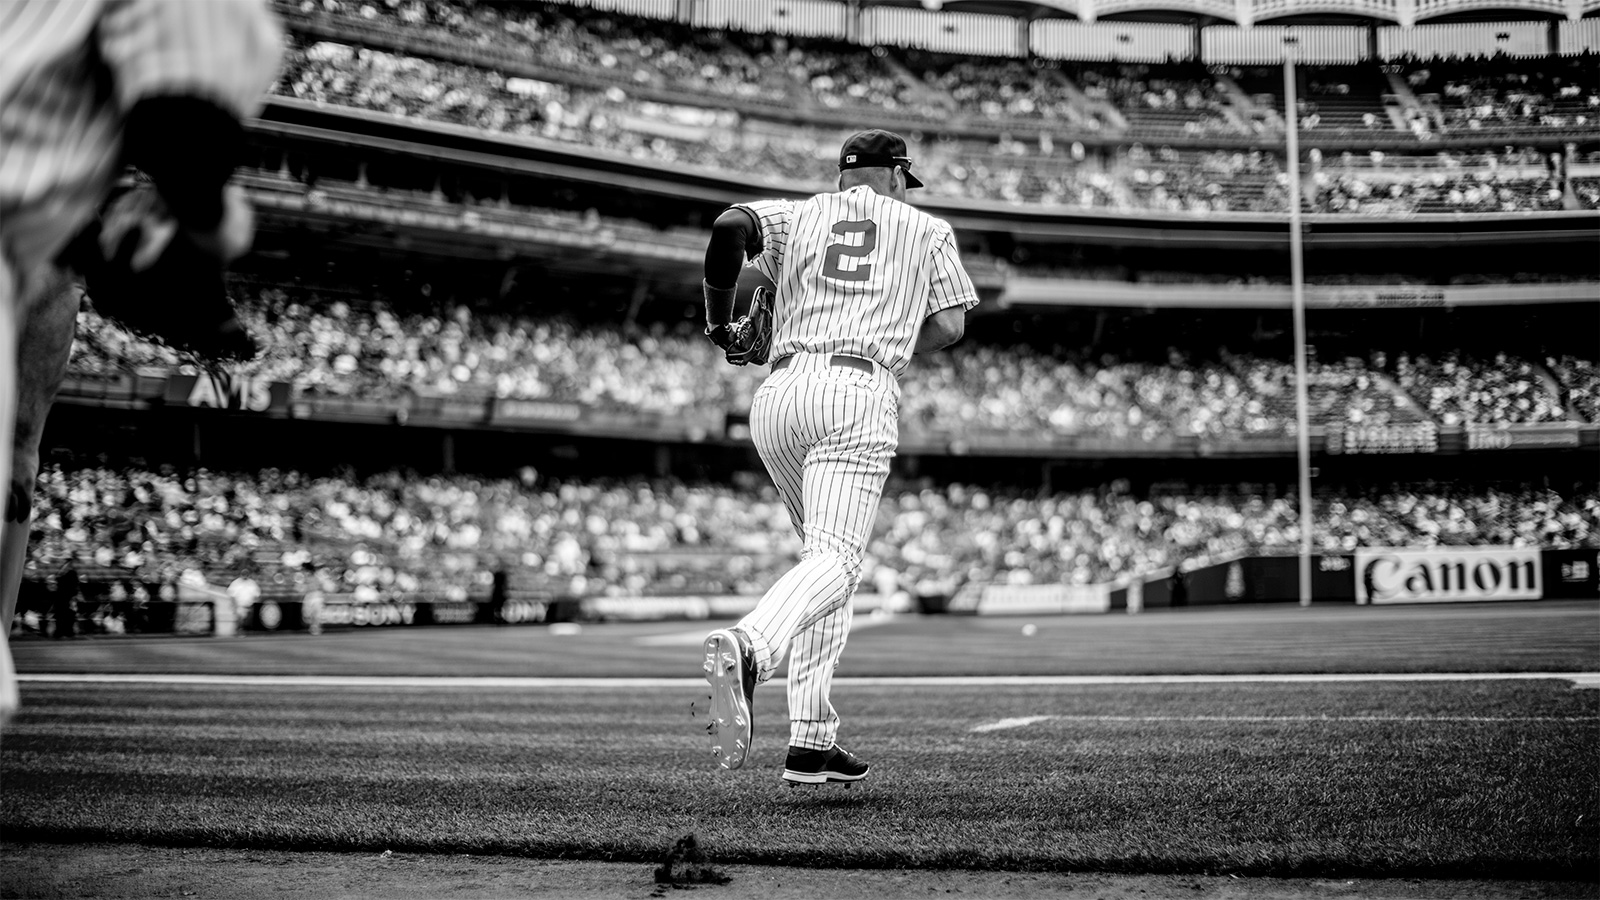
<point>308,128</point>
<point>239,394</point>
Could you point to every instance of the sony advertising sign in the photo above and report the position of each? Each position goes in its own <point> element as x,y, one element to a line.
<point>1447,574</point>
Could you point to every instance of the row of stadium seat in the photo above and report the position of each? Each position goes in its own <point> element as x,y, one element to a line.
<point>442,537</point>
<point>370,350</point>
<point>567,43</point>
<point>1037,171</point>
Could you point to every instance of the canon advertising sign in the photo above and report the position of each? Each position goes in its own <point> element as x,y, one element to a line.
<point>1447,574</point>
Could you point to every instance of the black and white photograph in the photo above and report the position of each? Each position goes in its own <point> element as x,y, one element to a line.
<point>793,449</point>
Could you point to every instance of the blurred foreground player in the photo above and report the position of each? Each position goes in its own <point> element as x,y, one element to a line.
<point>863,282</point>
<point>86,87</point>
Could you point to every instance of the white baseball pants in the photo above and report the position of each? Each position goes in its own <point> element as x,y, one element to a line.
<point>826,434</point>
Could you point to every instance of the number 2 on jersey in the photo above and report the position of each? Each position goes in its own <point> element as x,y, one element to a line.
<point>868,230</point>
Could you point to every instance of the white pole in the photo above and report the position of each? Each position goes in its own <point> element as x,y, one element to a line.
<point>1297,277</point>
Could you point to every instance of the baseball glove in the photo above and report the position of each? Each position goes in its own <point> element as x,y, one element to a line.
<point>143,271</point>
<point>750,335</point>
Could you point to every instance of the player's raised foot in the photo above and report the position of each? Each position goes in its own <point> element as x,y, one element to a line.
<point>835,764</point>
<point>730,667</point>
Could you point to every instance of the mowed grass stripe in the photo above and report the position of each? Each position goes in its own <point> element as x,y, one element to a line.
<point>1191,778</point>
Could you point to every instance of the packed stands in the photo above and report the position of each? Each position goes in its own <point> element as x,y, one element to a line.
<point>1587,190</point>
<point>1504,96</point>
<point>1507,179</point>
<point>1580,383</point>
<point>396,535</point>
<point>1034,172</point>
<point>368,349</point>
<point>1458,389</point>
<point>659,91</point>
<point>1016,389</point>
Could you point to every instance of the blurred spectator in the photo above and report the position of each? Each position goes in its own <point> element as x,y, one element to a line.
<point>1580,378</point>
<point>396,535</point>
<point>1459,389</point>
<point>1504,94</point>
<point>1207,182</point>
<point>373,351</point>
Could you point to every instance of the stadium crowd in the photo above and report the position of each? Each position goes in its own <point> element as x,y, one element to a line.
<point>1437,192</point>
<point>398,535</point>
<point>1502,94</point>
<point>371,351</point>
<point>1580,384</point>
<point>573,45</point>
<point>776,69</point>
<point>1039,172</point>
<point>1458,389</point>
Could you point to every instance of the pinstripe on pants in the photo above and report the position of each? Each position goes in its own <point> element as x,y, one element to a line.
<point>826,434</point>
<point>856,272</point>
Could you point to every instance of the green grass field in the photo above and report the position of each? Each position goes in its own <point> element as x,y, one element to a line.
<point>1439,779</point>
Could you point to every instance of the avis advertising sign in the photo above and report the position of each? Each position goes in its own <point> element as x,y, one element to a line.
<point>227,391</point>
<point>1447,574</point>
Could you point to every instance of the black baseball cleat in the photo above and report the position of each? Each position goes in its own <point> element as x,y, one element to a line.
<point>807,766</point>
<point>730,667</point>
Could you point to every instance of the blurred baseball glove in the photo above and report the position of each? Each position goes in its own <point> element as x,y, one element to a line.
<point>143,271</point>
<point>750,335</point>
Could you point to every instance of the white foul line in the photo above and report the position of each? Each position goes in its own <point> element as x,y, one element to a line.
<point>1579,679</point>
<point>1008,724</point>
<point>1005,724</point>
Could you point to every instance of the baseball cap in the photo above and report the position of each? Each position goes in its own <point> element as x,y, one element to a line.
<point>877,148</point>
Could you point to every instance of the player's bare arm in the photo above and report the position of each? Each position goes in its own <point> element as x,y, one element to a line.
<point>941,329</point>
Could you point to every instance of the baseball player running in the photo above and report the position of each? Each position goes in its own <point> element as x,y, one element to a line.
<point>87,86</point>
<point>863,282</point>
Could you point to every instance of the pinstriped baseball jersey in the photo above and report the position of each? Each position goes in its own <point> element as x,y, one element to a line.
<point>856,272</point>
<point>71,69</point>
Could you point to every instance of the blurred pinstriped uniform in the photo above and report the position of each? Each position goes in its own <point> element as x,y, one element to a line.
<point>70,70</point>
<point>857,272</point>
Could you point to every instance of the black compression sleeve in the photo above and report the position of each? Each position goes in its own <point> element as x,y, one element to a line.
<point>731,237</point>
<point>188,147</point>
